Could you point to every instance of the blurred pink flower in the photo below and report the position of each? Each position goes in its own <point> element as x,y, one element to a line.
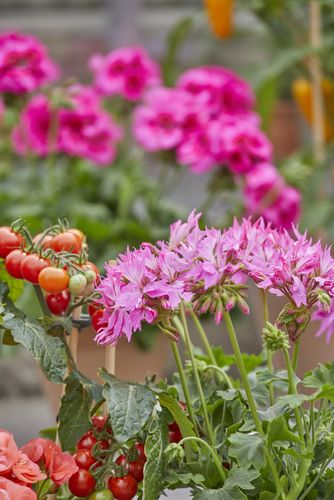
<point>24,64</point>
<point>195,151</point>
<point>32,134</point>
<point>13,491</point>
<point>59,466</point>
<point>285,209</point>
<point>326,319</point>
<point>9,453</point>
<point>221,90</point>
<point>26,470</point>
<point>126,71</point>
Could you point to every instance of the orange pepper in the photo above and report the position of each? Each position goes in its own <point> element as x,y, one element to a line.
<point>220,14</point>
<point>302,93</point>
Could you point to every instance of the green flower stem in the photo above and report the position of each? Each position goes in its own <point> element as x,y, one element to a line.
<point>295,355</point>
<point>212,453</point>
<point>269,353</point>
<point>293,390</point>
<point>316,479</point>
<point>196,376</point>
<point>251,401</point>
<point>302,476</point>
<point>183,380</point>
<point>208,348</point>
<point>41,300</point>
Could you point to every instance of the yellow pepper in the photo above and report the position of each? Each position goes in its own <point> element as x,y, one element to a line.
<point>302,93</point>
<point>220,14</point>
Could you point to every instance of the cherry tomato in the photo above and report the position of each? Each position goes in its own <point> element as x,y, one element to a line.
<point>99,421</point>
<point>53,279</point>
<point>46,243</point>
<point>77,283</point>
<point>9,240</point>
<point>136,469</point>
<point>226,465</point>
<point>123,488</point>
<point>86,441</point>
<point>32,266</point>
<point>122,461</point>
<point>101,495</point>
<point>92,307</point>
<point>174,433</point>
<point>67,242</point>
<point>84,459</point>
<point>90,266</point>
<point>13,263</point>
<point>97,322</point>
<point>140,448</point>
<point>82,483</point>
<point>58,302</point>
<point>77,233</point>
<point>103,444</point>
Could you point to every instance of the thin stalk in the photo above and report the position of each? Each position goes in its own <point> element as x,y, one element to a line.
<point>316,479</point>
<point>196,376</point>
<point>270,364</point>
<point>41,300</point>
<point>222,373</point>
<point>251,401</point>
<point>312,422</point>
<point>293,390</point>
<point>295,355</point>
<point>212,453</point>
<point>183,380</point>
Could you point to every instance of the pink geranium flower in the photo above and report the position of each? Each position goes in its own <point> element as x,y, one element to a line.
<point>26,470</point>
<point>59,466</point>
<point>24,64</point>
<point>127,71</point>
<point>9,490</point>
<point>9,453</point>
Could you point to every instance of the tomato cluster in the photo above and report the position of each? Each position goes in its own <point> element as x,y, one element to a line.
<point>56,260</point>
<point>101,477</point>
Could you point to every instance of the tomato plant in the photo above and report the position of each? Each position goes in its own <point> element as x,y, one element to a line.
<point>123,488</point>
<point>82,483</point>
<point>31,267</point>
<point>9,240</point>
<point>53,279</point>
<point>58,302</point>
<point>13,263</point>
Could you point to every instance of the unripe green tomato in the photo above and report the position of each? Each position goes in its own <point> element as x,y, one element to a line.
<point>90,275</point>
<point>77,284</point>
<point>101,495</point>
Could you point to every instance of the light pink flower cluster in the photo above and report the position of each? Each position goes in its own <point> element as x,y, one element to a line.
<point>20,468</point>
<point>209,268</point>
<point>24,64</point>
<point>126,71</point>
<point>82,129</point>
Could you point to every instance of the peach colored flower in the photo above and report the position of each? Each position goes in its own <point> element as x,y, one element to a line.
<point>12,491</point>
<point>9,452</point>
<point>26,470</point>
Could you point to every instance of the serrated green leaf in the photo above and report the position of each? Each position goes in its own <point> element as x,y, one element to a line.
<point>155,445</point>
<point>247,449</point>
<point>278,430</point>
<point>73,413</point>
<point>176,480</point>
<point>130,405</point>
<point>283,405</point>
<point>238,479</point>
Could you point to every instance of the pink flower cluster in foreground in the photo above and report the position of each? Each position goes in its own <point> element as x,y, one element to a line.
<point>209,268</point>
<point>38,460</point>
<point>208,120</point>
<point>81,129</point>
<point>126,71</point>
<point>24,64</point>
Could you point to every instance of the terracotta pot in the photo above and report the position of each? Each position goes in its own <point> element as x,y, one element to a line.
<point>131,363</point>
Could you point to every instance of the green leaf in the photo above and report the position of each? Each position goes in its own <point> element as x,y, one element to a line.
<point>179,480</point>
<point>73,413</point>
<point>130,405</point>
<point>247,449</point>
<point>155,445</point>
<point>266,97</point>
<point>238,479</point>
<point>175,39</point>
<point>49,433</point>
<point>15,286</point>
<point>283,405</point>
<point>172,405</point>
<point>7,338</point>
<point>278,431</point>
<point>321,378</point>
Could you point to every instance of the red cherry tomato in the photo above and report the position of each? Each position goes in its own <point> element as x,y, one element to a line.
<point>174,433</point>
<point>86,441</point>
<point>82,483</point>
<point>84,459</point>
<point>32,266</point>
<point>136,469</point>
<point>53,279</point>
<point>58,302</point>
<point>140,448</point>
<point>103,444</point>
<point>67,242</point>
<point>122,461</point>
<point>123,488</point>
<point>13,263</point>
<point>99,421</point>
<point>93,307</point>
<point>9,240</point>
<point>97,322</point>
<point>45,243</point>
<point>77,233</point>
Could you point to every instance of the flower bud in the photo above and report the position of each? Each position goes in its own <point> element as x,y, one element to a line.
<point>274,339</point>
<point>325,300</point>
<point>174,454</point>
